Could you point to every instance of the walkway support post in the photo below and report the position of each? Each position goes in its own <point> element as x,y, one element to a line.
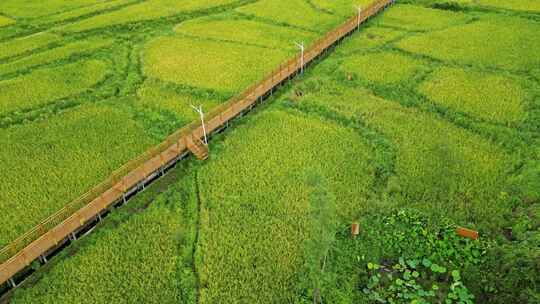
<point>302,49</point>
<point>359,8</point>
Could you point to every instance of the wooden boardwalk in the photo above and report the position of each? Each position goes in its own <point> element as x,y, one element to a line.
<point>64,224</point>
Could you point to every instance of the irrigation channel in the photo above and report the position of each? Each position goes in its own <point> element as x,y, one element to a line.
<point>81,215</point>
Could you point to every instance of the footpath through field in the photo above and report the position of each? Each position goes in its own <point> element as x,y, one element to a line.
<point>64,225</point>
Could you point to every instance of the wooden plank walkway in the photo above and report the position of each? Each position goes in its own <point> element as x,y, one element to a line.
<point>63,225</point>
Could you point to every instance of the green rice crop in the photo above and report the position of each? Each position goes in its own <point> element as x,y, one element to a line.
<point>83,46</point>
<point>417,18</point>
<point>489,96</point>
<point>5,21</point>
<point>49,85</point>
<point>140,254</point>
<point>246,31</point>
<point>532,6</point>
<point>207,64</point>
<point>148,10</point>
<point>45,166</point>
<point>342,7</point>
<point>293,12</point>
<point>437,163</point>
<point>86,10</point>
<point>157,96</point>
<point>25,44</point>
<point>384,67</point>
<point>369,38</point>
<point>31,9</point>
<point>502,42</point>
<point>254,195</point>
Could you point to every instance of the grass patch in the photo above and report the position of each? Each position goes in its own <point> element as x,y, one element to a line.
<point>246,31</point>
<point>45,167</point>
<point>488,96</point>
<point>255,195</point>
<point>225,67</point>
<point>385,67</point>
<point>293,12</point>
<point>501,42</point>
<point>49,85</point>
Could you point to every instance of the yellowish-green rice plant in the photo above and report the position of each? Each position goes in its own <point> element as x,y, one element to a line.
<point>83,46</point>
<point>502,42</point>
<point>488,96</point>
<point>342,7</point>
<point>158,96</point>
<point>75,13</point>
<point>49,163</point>
<point>519,5</point>
<point>294,12</point>
<point>385,67</point>
<point>417,18</point>
<point>21,45</point>
<point>438,166</point>
<point>5,21</point>
<point>31,9</point>
<point>255,207</point>
<point>225,67</point>
<point>147,10</point>
<point>136,256</point>
<point>246,31</point>
<point>46,85</point>
<point>369,38</point>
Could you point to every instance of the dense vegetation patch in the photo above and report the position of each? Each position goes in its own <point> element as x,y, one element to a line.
<point>45,166</point>
<point>488,96</point>
<point>254,196</point>
<point>142,253</point>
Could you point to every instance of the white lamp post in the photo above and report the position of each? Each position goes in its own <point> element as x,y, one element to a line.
<point>201,114</point>
<point>301,46</point>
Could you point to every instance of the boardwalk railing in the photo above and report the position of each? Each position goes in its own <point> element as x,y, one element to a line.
<point>62,225</point>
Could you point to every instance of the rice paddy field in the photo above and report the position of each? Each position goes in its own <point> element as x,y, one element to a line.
<point>426,119</point>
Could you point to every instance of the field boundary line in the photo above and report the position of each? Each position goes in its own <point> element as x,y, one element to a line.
<point>66,224</point>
